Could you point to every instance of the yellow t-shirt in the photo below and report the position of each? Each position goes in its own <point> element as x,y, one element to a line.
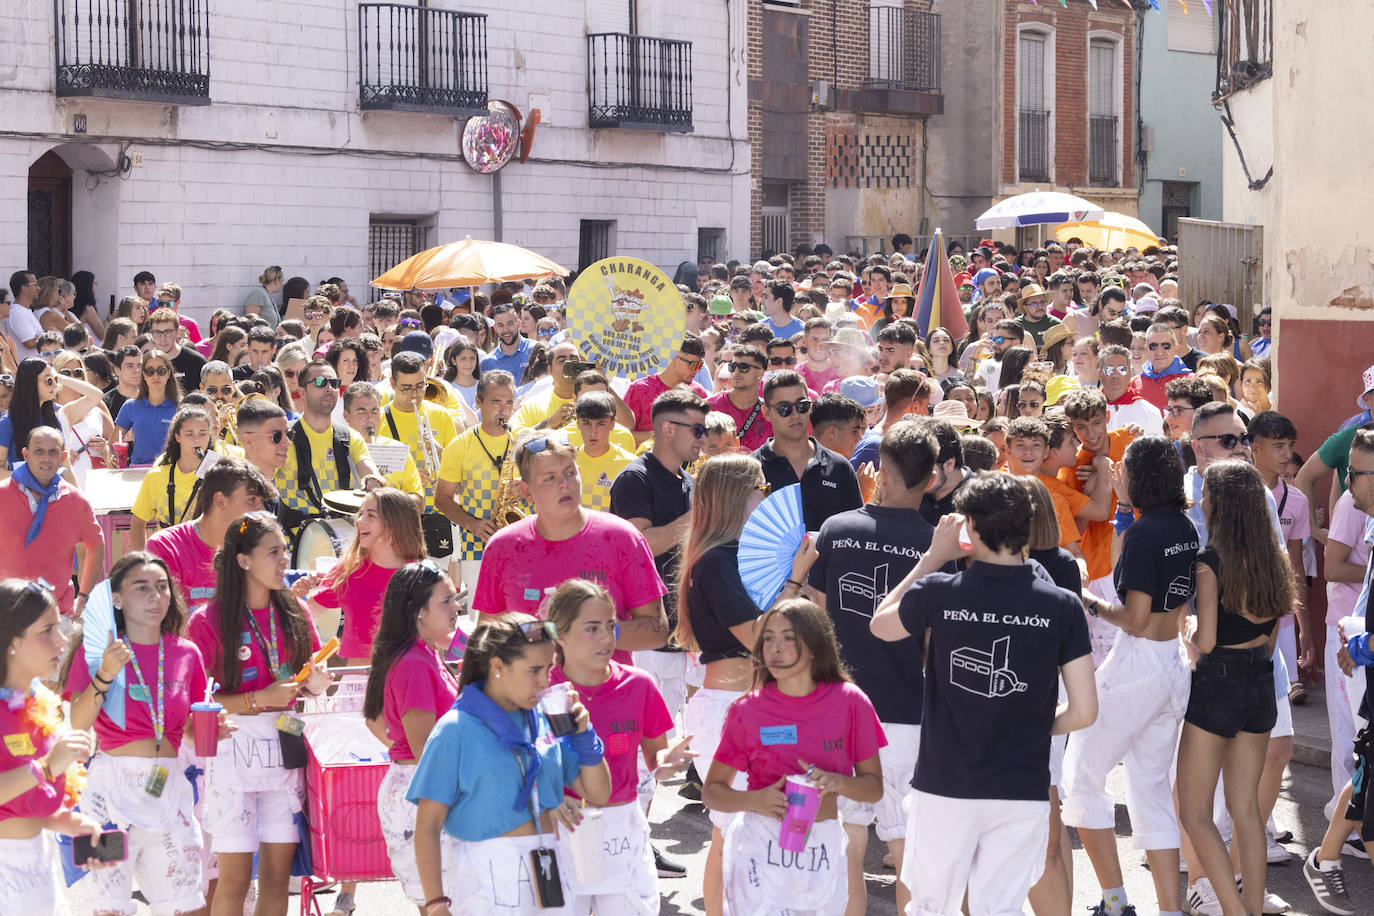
<point>470,461</point>
<point>407,479</point>
<point>321,450</point>
<point>151,502</point>
<point>599,473</point>
<point>441,426</point>
<point>532,413</point>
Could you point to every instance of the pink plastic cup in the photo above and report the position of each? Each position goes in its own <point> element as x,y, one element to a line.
<point>803,801</point>
<point>205,727</point>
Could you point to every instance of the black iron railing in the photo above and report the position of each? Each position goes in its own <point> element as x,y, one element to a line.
<point>637,81</point>
<point>1032,153</point>
<point>411,58</point>
<point>903,49</point>
<point>153,50</point>
<point>1102,149</point>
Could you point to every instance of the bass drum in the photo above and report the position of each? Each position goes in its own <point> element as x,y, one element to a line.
<point>323,538</point>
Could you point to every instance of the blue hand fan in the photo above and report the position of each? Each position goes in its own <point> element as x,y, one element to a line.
<point>770,539</point>
<point>97,629</point>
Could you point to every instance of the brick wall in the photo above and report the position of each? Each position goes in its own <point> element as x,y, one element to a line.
<point>1071,29</point>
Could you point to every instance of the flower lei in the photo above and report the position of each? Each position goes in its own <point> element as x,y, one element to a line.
<point>40,712</point>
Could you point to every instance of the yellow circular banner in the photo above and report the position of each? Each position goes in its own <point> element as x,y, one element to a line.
<point>626,316</point>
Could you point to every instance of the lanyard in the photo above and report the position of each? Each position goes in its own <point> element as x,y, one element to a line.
<point>172,517</point>
<point>158,711</point>
<point>496,462</point>
<point>268,648</point>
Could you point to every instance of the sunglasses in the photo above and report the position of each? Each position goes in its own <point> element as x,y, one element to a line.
<point>692,364</point>
<point>1161,345</point>
<point>539,444</point>
<point>213,390</point>
<point>259,515</point>
<point>39,586</point>
<point>784,409</point>
<point>320,381</point>
<point>538,630</point>
<point>999,340</point>
<point>74,373</point>
<point>782,360</point>
<point>49,354</point>
<point>743,367</point>
<point>548,332</point>
<point>698,429</point>
<point>275,435</point>
<point>313,316</point>
<point>290,373</point>
<point>1230,440</point>
<point>1116,370</point>
<point>408,323</point>
<point>1351,474</point>
<point>159,371</point>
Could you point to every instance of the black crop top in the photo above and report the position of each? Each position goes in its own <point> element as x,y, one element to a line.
<point>1232,629</point>
<point>717,601</point>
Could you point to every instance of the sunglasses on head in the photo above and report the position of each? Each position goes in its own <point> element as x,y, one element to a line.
<point>1230,440</point>
<point>159,371</point>
<point>782,360</point>
<point>538,630</point>
<point>321,381</point>
<point>260,515</point>
<point>540,443</point>
<point>784,408</point>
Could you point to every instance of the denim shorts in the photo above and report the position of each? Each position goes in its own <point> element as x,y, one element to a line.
<point>1233,691</point>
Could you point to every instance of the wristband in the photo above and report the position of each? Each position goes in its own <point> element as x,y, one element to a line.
<point>1124,519</point>
<point>40,770</point>
<point>587,746</point>
<point>1360,651</point>
<point>99,679</point>
<point>1092,607</point>
<point>794,582</point>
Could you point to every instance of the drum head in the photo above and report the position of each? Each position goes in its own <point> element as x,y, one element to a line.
<point>321,538</point>
<point>344,502</point>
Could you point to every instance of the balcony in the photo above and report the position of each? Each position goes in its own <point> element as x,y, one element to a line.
<point>639,82</point>
<point>1102,150</point>
<point>412,58</point>
<point>149,50</point>
<point>903,63</point>
<point>1032,145</point>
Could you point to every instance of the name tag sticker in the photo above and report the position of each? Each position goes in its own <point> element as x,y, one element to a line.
<point>250,673</point>
<point>19,745</point>
<point>532,594</point>
<point>138,693</point>
<point>245,638</point>
<point>618,743</point>
<point>778,734</point>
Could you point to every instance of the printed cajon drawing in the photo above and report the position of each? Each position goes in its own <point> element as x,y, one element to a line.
<point>985,673</point>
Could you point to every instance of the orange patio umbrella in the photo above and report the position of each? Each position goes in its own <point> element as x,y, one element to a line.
<point>468,263</point>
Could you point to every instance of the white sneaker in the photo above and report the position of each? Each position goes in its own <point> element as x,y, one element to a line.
<point>1274,853</point>
<point>1274,904</point>
<point>1201,899</point>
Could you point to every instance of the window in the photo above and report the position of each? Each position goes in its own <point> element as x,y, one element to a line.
<point>776,229</point>
<point>594,241</point>
<point>1190,32</point>
<point>1102,111</point>
<point>1245,53</point>
<point>1033,121</point>
<point>711,242</point>
<point>391,241</point>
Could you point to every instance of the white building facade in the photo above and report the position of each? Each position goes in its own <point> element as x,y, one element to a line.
<point>205,141</point>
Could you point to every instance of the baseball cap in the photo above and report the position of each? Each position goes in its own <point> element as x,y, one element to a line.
<point>861,388</point>
<point>1368,379</point>
<point>1146,305</point>
<point>417,342</point>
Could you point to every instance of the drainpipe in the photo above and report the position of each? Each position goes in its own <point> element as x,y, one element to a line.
<point>923,223</point>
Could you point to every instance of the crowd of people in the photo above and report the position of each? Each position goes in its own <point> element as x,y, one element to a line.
<point>1067,530</point>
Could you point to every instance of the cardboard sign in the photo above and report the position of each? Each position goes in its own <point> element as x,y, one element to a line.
<point>626,316</point>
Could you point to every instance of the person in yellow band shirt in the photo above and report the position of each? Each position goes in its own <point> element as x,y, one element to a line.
<point>188,435</point>
<point>598,459</point>
<point>400,418</point>
<point>470,473</point>
<point>553,408</point>
<point>363,413</point>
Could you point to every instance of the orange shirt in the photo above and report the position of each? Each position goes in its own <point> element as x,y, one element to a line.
<point>1097,537</point>
<point>1068,502</point>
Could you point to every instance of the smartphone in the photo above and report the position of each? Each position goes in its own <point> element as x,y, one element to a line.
<point>548,885</point>
<point>575,367</point>
<point>109,847</point>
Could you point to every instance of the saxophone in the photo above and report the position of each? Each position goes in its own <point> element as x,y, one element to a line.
<point>507,507</point>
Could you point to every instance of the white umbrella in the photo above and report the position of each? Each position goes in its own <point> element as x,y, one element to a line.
<point>1037,207</point>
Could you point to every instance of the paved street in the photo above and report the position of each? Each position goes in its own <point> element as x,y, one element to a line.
<point>681,830</point>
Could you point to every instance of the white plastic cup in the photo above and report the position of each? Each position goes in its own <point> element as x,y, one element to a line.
<point>588,857</point>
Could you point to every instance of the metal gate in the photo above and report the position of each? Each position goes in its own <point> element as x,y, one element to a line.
<point>1223,262</point>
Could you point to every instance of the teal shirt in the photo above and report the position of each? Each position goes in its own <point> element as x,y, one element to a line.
<point>465,767</point>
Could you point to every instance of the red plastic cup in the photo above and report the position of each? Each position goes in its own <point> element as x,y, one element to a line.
<point>205,727</point>
<point>119,453</point>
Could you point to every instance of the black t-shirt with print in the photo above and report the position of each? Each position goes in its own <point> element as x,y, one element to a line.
<point>644,488</point>
<point>717,601</point>
<point>187,365</point>
<point>1158,554</point>
<point>998,636</point>
<point>863,555</point>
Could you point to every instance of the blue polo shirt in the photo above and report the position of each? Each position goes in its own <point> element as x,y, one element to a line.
<point>513,363</point>
<point>794,326</point>
<point>149,425</point>
<point>465,767</point>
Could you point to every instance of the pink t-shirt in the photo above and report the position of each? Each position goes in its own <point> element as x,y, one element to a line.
<point>185,682</point>
<point>767,733</point>
<point>360,596</point>
<point>416,680</point>
<point>204,630</point>
<point>817,379</point>
<point>42,800</point>
<point>1347,526</point>
<point>518,564</point>
<point>1293,518</point>
<point>191,561</point>
<point>69,521</point>
<point>639,397</point>
<point>760,431</point>
<point>625,709</point>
